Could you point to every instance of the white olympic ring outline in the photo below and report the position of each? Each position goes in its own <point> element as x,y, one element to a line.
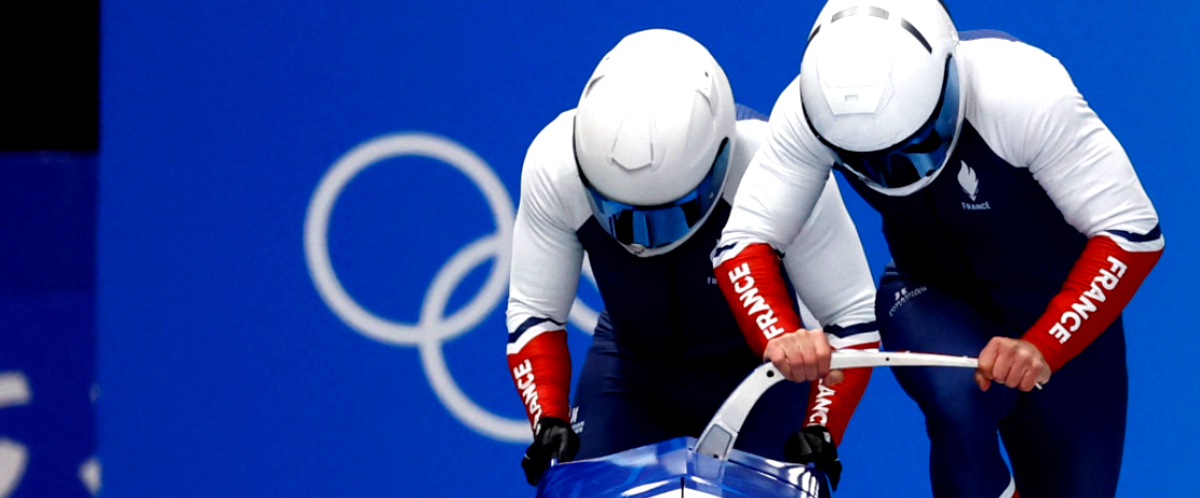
<point>433,328</point>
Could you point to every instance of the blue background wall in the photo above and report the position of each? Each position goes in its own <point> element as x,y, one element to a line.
<point>225,373</point>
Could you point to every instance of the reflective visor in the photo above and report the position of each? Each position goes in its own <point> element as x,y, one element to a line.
<point>917,156</point>
<point>663,224</point>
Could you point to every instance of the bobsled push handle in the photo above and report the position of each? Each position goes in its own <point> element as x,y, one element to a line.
<point>718,438</point>
<point>722,431</point>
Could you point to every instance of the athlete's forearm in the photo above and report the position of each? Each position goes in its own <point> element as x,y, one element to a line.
<point>832,406</point>
<point>753,284</point>
<point>1097,289</point>
<point>540,365</point>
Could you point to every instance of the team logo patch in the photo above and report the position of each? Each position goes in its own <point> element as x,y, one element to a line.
<point>903,296</point>
<point>969,181</point>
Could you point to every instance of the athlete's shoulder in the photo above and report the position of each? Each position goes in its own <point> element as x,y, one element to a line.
<point>551,154</point>
<point>1006,77</point>
<point>751,132</point>
<point>1016,95</point>
<point>747,113</point>
<point>549,169</point>
<point>786,143</point>
<point>789,127</point>
<point>792,139</point>
<point>549,178</point>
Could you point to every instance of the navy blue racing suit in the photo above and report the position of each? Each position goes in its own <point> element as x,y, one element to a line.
<point>667,350</point>
<point>1036,228</point>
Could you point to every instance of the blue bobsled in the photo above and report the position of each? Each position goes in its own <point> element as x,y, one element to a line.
<point>674,469</point>
<point>708,466</point>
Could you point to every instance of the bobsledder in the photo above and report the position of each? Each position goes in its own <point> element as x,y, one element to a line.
<point>709,466</point>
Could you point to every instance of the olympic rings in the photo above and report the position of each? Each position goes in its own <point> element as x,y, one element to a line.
<point>433,327</point>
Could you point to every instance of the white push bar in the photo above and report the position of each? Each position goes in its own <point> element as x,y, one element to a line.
<point>718,438</point>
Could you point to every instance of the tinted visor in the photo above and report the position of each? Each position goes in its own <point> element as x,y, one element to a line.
<point>663,224</point>
<point>917,156</point>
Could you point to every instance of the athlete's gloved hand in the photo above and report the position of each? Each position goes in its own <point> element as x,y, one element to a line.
<point>814,444</point>
<point>553,439</point>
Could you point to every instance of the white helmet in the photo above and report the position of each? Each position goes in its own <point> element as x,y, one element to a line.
<point>880,87</point>
<point>653,137</point>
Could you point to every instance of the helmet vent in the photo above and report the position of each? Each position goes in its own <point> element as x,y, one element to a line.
<point>860,11</point>
<point>917,34</point>
<point>875,12</point>
<point>592,84</point>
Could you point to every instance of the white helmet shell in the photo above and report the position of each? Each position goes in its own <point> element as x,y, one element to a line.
<point>873,71</point>
<point>652,118</point>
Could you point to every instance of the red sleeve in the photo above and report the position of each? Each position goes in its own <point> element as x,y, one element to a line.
<point>753,284</point>
<point>1098,287</point>
<point>541,370</point>
<point>832,407</point>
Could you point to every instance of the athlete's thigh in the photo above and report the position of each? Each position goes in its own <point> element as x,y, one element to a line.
<point>960,419</point>
<point>611,413</point>
<point>1066,440</point>
<point>917,317</point>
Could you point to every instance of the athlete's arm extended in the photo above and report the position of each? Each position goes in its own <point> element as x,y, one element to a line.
<point>829,270</point>
<point>1088,176</point>
<point>546,261</point>
<point>780,208</point>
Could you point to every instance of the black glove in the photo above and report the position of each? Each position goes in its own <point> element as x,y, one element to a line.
<point>553,439</point>
<point>815,444</point>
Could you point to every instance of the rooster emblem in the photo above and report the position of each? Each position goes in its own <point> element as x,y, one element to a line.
<point>968,181</point>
